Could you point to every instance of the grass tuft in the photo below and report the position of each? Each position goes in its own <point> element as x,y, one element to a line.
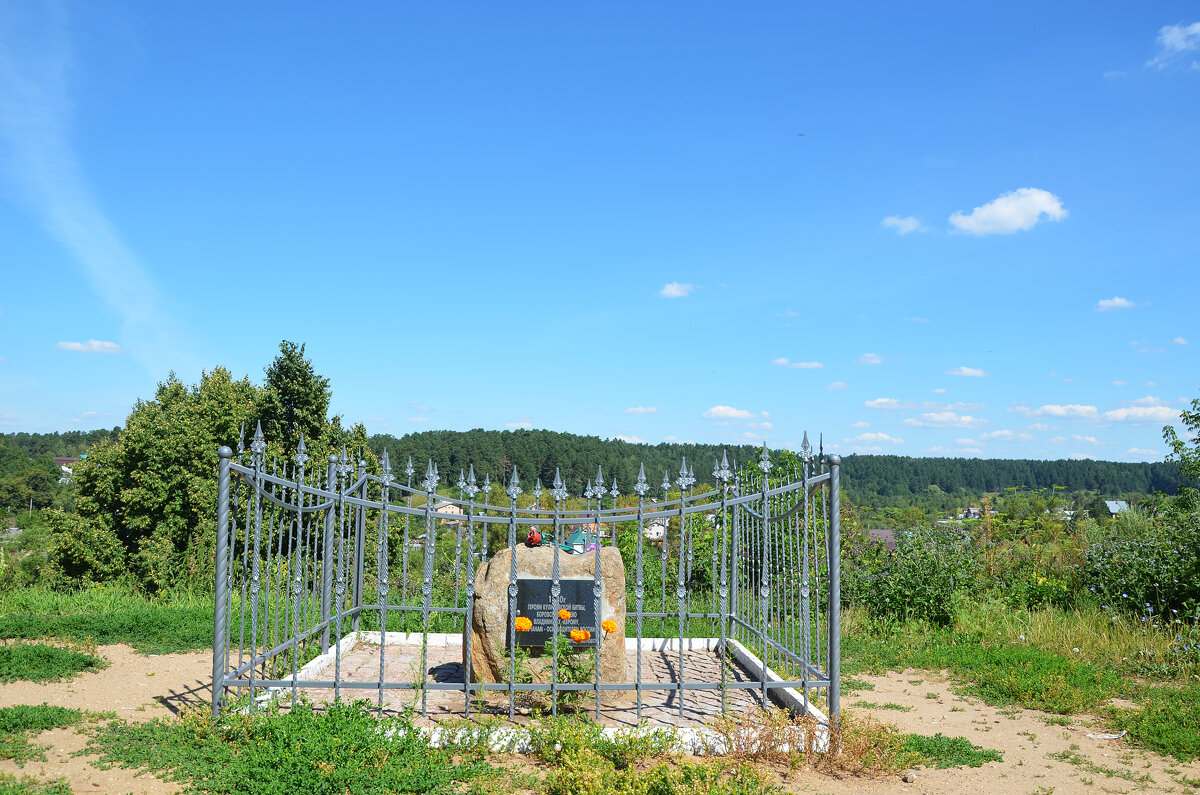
<point>19,724</point>
<point>37,662</point>
<point>940,751</point>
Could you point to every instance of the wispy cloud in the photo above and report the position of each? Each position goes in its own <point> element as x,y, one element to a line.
<point>35,126</point>
<point>876,438</point>
<point>1070,410</point>
<point>641,410</point>
<point>521,424</point>
<point>1116,302</point>
<point>903,225</point>
<point>676,290</point>
<point>1174,41</point>
<point>416,419</point>
<point>783,362</point>
<point>91,346</point>
<point>1016,211</point>
<point>1179,341</point>
<point>870,358</point>
<point>968,372</point>
<point>730,413</point>
<point>1142,414</point>
<point>836,386</point>
<point>630,439</point>
<point>945,419</point>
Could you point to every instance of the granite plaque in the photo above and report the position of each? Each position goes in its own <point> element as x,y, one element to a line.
<point>534,602</point>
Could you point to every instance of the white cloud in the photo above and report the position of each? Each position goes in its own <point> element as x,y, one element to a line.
<point>1142,414</point>
<point>1118,383</point>
<point>1150,383</point>
<point>1041,426</point>
<point>1179,341</point>
<point>1086,439</point>
<point>971,442</point>
<point>520,424</point>
<point>670,438</point>
<point>1008,435</point>
<point>675,290</point>
<point>729,413</point>
<point>1070,410</point>
<point>837,385</point>
<point>783,362</point>
<point>1081,457</point>
<point>903,224</point>
<point>1144,454</point>
<point>1116,302</point>
<point>885,403</point>
<point>877,438</point>
<point>416,419</point>
<point>766,426</point>
<point>860,424</point>
<point>1010,212</point>
<point>968,372</point>
<point>939,391</point>
<point>945,419</point>
<point>1148,400</point>
<point>1173,41</point>
<point>91,346</point>
<point>870,358</point>
<point>630,439</point>
<point>641,410</point>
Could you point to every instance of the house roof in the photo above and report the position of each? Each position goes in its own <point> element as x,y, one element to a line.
<point>1116,506</point>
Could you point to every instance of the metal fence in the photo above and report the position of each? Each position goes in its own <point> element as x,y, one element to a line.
<point>307,561</point>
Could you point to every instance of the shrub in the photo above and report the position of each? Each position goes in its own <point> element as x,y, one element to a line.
<point>919,580</point>
<point>1145,566</point>
<point>82,552</point>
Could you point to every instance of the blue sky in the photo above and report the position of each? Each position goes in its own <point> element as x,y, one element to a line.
<point>604,219</point>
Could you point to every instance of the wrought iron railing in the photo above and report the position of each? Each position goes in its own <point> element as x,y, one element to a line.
<point>306,562</point>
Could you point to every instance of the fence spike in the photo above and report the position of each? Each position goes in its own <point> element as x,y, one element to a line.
<point>514,485</point>
<point>764,462</point>
<point>408,470</point>
<point>641,487</point>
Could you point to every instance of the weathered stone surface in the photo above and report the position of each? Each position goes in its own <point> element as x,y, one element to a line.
<point>490,619</point>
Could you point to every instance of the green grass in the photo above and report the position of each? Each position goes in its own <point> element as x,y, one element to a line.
<point>19,724</point>
<point>940,751</point>
<point>1167,720</point>
<point>27,785</point>
<point>885,705</point>
<point>1002,670</point>
<point>998,674</point>
<point>108,615</point>
<point>37,662</point>
<point>341,749</point>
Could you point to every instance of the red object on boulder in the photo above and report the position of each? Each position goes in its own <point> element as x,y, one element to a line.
<point>533,539</point>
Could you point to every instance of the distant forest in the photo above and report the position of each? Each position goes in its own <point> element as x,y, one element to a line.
<point>69,444</point>
<point>879,479</point>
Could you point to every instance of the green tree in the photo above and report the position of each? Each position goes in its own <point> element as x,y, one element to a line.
<point>1186,451</point>
<point>155,487</point>
<point>296,399</point>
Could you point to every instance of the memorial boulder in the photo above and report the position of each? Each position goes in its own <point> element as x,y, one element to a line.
<point>490,623</point>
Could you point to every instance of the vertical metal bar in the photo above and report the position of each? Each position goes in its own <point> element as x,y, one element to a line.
<point>639,586</point>
<point>764,583</point>
<point>339,588</point>
<point>331,515</point>
<point>360,543</point>
<point>723,588</point>
<point>224,454</point>
<point>255,571</point>
<point>514,489</point>
<point>835,593</point>
<point>382,587</point>
<point>680,581</point>
<point>298,580</point>
<point>469,619</point>
<point>559,494</point>
<point>429,552</point>
<point>597,585</point>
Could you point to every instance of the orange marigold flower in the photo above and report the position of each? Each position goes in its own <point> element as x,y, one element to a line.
<point>564,615</point>
<point>587,635</point>
<point>523,624</point>
<point>578,635</point>
<point>609,625</point>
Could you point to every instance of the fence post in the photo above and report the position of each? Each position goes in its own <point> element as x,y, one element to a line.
<point>221,593</point>
<point>327,548</point>
<point>835,587</point>
<point>360,540</point>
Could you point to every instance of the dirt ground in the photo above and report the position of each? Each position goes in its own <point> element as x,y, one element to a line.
<point>140,687</point>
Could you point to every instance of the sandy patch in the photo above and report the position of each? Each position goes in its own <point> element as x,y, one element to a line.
<point>1030,746</point>
<point>135,687</point>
